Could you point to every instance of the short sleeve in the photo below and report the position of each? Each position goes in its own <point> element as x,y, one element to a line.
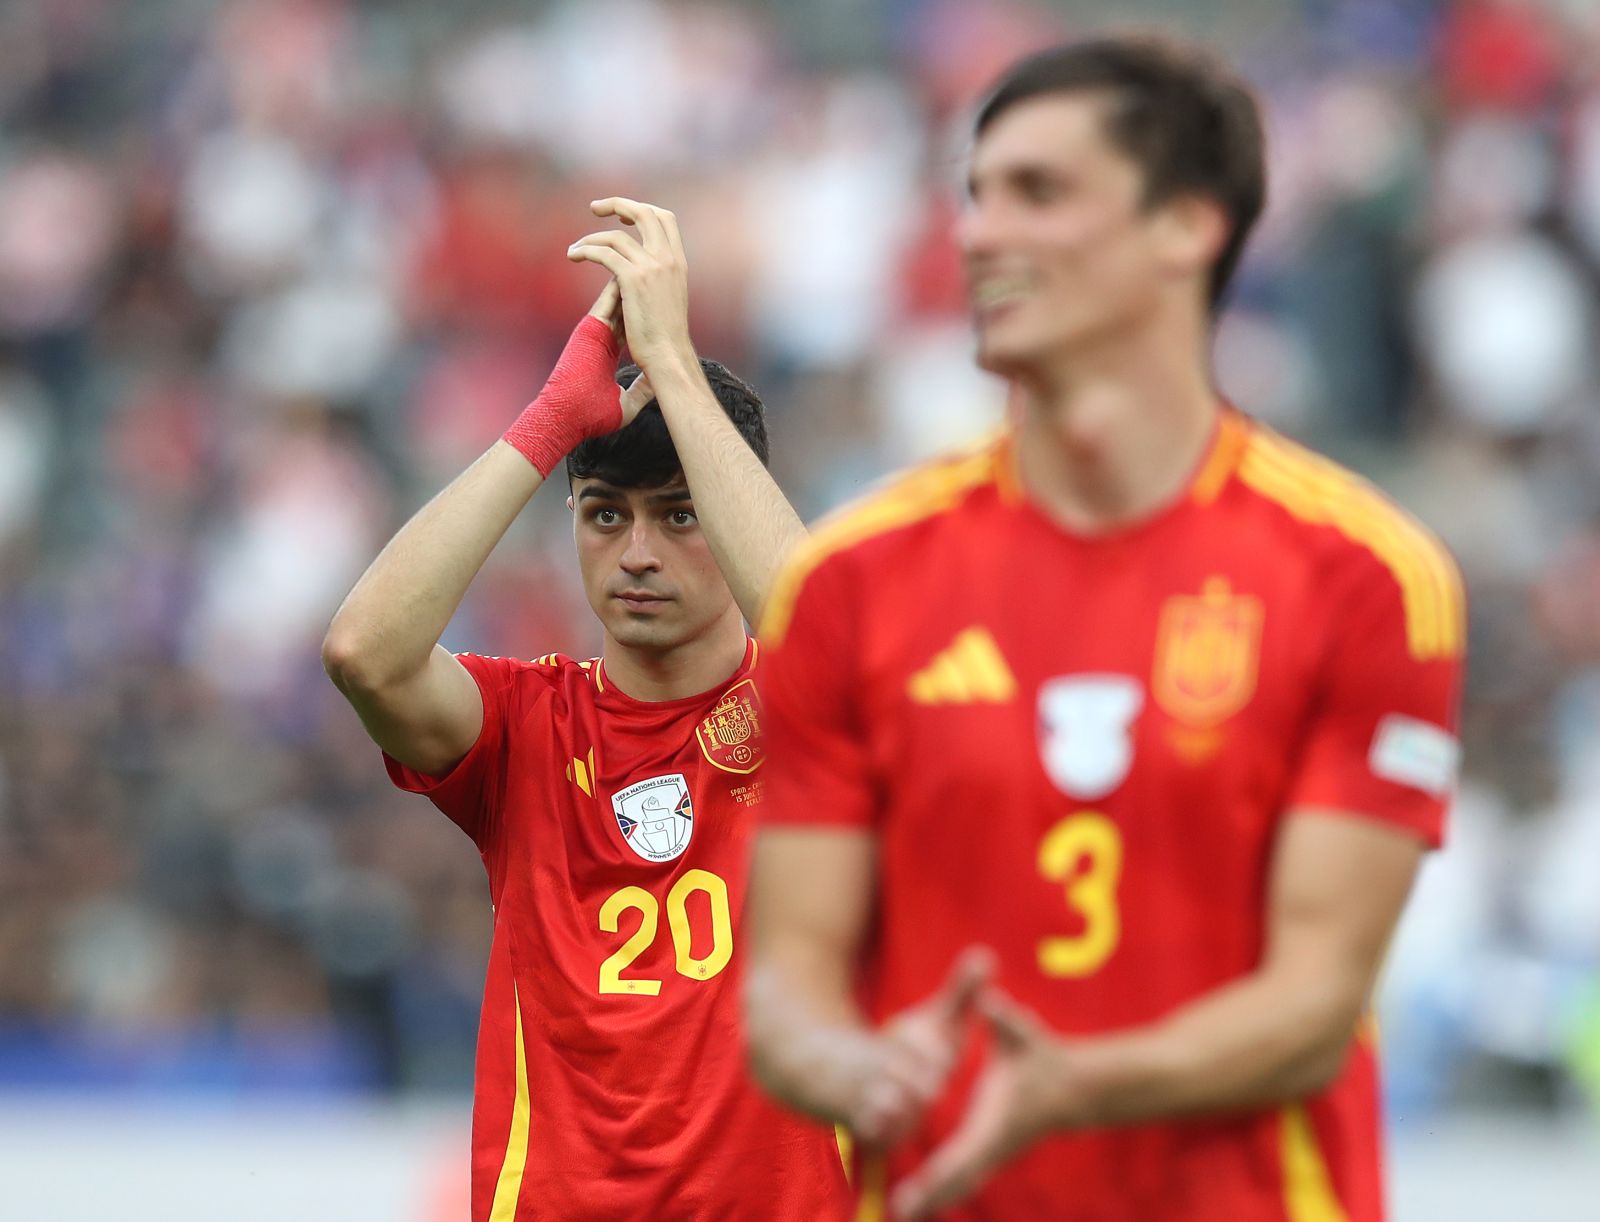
<point>1382,739</point>
<point>818,768</point>
<point>473,792</point>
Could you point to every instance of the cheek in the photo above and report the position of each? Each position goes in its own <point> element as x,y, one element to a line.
<point>1085,227</point>
<point>595,560</point>
<point>1095,234</point>
<point>703,583</point>
<point>1110,272</point>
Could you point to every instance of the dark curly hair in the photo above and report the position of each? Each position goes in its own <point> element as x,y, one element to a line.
<point>641,454</point>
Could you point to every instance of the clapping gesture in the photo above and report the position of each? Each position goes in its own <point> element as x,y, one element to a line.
<point>1025,1090</point>
<point>911,1058</point>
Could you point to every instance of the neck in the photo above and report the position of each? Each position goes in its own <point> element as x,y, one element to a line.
<point>687,669</point>
<point>1109,434</point>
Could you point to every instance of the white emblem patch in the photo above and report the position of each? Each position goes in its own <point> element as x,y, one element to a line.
<point>1084,738</point>
<point>656,816</point>
<point>1415,753</point>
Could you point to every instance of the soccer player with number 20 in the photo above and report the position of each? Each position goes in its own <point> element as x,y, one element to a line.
<point>611,799</point>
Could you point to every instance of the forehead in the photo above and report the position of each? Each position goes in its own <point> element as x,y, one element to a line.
<point>1052,129</point>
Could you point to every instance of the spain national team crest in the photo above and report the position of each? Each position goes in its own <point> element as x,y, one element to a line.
<point>731,736</point>
<point>656,816</point>
<point>1207,652</point>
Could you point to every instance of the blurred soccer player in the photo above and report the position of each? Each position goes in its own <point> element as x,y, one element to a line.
<point>611,799</point>
<point>1153,704</point>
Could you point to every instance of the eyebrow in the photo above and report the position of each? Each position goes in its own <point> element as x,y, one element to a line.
<point>609,492</point>
<point>1018,173</point>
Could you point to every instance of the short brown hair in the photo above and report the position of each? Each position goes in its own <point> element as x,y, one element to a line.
<point>1189,123</point>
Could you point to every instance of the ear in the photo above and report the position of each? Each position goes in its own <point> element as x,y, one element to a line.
<point>1194,231</point>
<point>569,503</point>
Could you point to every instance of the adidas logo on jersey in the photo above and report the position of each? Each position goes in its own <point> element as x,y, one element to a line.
<point>970,670</point>
<point>581,772</point>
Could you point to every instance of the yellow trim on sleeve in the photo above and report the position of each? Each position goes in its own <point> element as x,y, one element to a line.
<point>509,1185</point>
<point>1320,492</point>
<point>913,497</point>
<point>1308,1194</point>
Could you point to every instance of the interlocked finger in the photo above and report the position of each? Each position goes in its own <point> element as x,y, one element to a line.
<point>624,244</point>
<point>606,306</point>
<point>605,256</point>
<point>657,227</point>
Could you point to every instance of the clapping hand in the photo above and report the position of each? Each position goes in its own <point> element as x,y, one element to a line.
<point>909,1060</point>
<point>1022,1093</point>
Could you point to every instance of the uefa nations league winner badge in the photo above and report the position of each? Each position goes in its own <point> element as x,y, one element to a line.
<point>656,816</point>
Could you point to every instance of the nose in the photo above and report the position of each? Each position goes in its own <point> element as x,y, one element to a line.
<point>641,555</point>
<point>976,229</point>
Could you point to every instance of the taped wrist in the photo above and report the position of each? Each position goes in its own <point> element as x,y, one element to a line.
<point>580,399</point>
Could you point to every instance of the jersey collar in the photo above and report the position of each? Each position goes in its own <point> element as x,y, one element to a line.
<point>1229,437</point>
<point>603,685</point>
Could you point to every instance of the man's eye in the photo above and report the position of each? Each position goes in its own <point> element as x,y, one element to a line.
<point>606,517</point>
<point>683,517</point>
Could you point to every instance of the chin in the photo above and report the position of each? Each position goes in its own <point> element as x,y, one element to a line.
<point>634,634</point>
<point>1013,350</point>
<point>1006,355</point>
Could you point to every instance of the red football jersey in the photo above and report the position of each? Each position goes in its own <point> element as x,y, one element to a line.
<point>611,1079</point>
<point>1077,750</point>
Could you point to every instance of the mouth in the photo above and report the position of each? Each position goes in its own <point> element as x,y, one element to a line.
<point>641,600</point>
<point>993,293</point>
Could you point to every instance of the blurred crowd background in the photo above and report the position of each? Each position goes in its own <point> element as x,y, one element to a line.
<point>273,271</point>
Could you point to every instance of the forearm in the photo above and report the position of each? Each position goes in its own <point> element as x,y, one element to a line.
<point>748,522</point>
<point>1261,1041</point>
<point>386,628</point>
<point>807,1046</point>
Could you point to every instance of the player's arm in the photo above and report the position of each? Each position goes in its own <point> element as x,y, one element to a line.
<point>810,893</point>
<point>812,889</point>
<point>811,898</point>
<point>1337,888</point>
<point>748,522</point>
<point>381,650</point>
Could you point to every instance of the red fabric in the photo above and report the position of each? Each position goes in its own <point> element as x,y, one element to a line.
<point>640,1105</point>
<point>962,793</point>
<point>580,400</point>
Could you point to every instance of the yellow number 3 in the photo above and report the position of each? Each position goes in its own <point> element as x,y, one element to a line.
<point>1083,853</point>
<point>716,890</point>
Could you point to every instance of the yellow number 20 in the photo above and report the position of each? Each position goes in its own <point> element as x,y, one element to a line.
<point>704,968</point>
<point>1084,854</point>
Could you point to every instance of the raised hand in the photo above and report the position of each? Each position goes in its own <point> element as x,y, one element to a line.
<point>652,275</point>
<point>1023,1092</point>
<point>607,309</point>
